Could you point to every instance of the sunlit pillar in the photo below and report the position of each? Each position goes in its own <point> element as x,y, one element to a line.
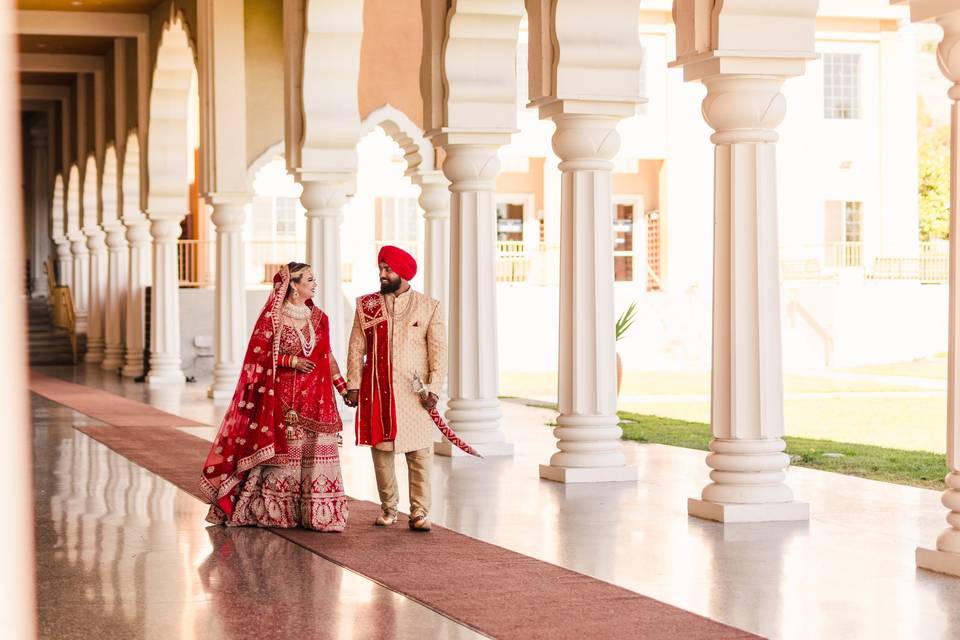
<point>324,201</point>
<point>945,558</point>
<point>229,308</point>
<point>588,432</point>
<point>473,409</point>
<point>117,264</point>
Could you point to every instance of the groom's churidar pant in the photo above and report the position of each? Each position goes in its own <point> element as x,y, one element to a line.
<point>418,473</point>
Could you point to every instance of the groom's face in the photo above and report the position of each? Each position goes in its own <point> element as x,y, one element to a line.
<point>389,281</point>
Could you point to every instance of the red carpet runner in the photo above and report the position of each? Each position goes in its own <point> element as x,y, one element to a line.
<point>482,586</point>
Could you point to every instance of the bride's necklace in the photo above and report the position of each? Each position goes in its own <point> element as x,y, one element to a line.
<point>296,311</point>
<point>309,342</point>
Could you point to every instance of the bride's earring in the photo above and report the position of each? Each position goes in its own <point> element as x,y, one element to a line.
<point>296,296</point>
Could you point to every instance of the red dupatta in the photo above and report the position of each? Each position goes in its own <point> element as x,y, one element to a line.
<point>376,419</point>
<point>253,430</point>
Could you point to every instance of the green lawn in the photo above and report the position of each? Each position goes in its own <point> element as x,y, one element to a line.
<point>532,384</point>
<point>897,422</point>
<point>915,468</point>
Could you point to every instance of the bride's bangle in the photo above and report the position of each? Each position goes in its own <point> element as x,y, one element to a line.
<point>295,362</point>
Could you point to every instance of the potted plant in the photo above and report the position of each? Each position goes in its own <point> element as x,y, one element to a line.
<point>624,322</point>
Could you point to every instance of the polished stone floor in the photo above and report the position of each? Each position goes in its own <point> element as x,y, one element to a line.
<point>127,554</point>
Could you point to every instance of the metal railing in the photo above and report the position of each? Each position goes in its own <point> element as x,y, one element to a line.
<point>513,262</point>
<point>193,256</point>
<point>64,313</point>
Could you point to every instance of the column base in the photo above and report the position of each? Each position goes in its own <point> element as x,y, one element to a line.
<point>93,357</point>
<point>939,561</point>
<point>734,512</point>
<point>131,372</point>
<point>165,378</point>
<point>486,449</point>
<point>220,393</point>
<point>576,475</point>
<point>111,363</point>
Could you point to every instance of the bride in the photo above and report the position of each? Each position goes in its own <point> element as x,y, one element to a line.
<point>275,462</point>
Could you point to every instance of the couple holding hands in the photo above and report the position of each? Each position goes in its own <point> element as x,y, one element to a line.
<point>275,460</point>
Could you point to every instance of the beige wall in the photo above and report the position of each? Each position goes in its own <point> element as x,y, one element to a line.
<point>529,182</point>
<point>390,57</point>
<point>645,182</point>
<point>263,51</point>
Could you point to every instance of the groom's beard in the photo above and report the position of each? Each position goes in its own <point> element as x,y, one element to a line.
<point>390,286</point>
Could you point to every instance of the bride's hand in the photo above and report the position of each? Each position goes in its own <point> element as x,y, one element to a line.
<point>304,365</point>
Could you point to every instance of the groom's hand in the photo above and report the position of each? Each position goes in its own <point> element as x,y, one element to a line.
<point>430,402</point>
<point>352,398</point>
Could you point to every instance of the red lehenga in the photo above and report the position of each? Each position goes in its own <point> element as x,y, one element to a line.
<point>255,474</point>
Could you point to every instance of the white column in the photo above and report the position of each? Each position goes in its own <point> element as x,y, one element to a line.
<point>324,202</point>
<point>40,247</point>
<point>117,264</point>
<point>473,409</point>
<point>64,262</point>
<point>139,275</point>
<point>946,557</point>
<point>435,202</point>
<point>747,450</point>
<point>165,304</point>
<point>98,285</point>
<point>18,614</point>
<point>80,277</point>
<point>229,310</point>
<point>588,435</point>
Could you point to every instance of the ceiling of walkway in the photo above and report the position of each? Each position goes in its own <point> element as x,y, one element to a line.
<point>112,6</point>
<point>76,45</point>
<point>47,78</point>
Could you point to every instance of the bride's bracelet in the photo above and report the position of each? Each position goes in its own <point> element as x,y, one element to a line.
<point>340,384</point>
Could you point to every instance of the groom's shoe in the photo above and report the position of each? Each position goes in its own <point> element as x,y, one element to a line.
<point>419,521</point>
<point>387,518</point>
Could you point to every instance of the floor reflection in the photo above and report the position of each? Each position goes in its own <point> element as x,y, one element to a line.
<point>848,573</point>
<point>122,553</point>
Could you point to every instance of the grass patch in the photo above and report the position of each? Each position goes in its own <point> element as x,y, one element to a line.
<point>914,468</point>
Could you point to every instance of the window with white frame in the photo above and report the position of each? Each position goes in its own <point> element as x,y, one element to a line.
<point>841,86</point>
<point>843,233</point>
<point>623,241</point>
<point>396,222</point>
<point>285,215</point>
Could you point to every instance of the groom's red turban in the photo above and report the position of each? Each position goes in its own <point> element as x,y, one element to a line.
<point>399,260</point>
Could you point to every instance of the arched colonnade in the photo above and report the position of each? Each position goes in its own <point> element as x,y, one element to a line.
<point>585,84</point>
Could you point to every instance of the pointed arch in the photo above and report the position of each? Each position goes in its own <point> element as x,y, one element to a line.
<point>73,200</point>
<point>418,151</point>
<point>167,152</point>
<point>130,206</point>
<point>109,196</point>
<point>58,213</point>
<point>90,200</point>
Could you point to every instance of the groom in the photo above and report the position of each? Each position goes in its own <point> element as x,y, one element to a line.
<point>397,335</point>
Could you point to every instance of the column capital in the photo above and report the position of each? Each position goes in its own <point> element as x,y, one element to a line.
<point>585,142</point>
<point>471,167</point>
<point>948,52</point>
<point>743,108</point>
<point>228,199</point>
<point>324,198</point>
<point>229,213</point>
<point>165,228</point>
<point>434,197</point>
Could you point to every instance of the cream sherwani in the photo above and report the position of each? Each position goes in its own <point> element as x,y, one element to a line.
<point>419,346</point>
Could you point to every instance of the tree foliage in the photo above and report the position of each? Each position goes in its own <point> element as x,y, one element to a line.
<point>933,157</point>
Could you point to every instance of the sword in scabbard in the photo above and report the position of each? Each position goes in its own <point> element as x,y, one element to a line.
<point>447,432</point>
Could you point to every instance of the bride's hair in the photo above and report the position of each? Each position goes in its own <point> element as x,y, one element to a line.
<point>297,269</point>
